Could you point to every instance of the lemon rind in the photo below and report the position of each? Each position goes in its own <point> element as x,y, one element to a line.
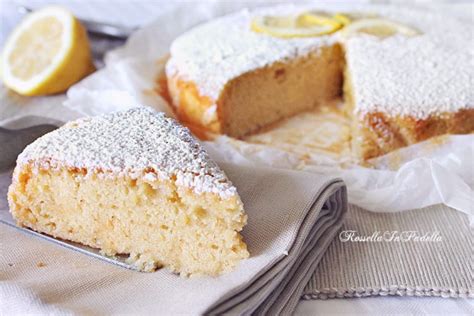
<point>354,28</point>
<point>258,25</point>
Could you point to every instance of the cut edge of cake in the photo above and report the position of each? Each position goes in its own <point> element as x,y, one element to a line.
<point>293,80</point>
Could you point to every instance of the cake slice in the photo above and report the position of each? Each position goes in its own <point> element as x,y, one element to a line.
<point>133,182</point>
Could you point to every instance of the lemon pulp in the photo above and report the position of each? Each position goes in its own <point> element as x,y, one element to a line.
<point>25,60</point>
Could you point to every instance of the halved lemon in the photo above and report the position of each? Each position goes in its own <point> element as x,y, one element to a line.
<point>377,27</point>
<point>294,26</point>
<point>46,53</point>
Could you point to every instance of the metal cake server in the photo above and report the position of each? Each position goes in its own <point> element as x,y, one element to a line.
<point>12,143</point>
<point>98,28</point>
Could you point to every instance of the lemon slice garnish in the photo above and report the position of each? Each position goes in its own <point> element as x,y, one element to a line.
<point>46,53</point>
<point>346,18</point>
<point>342,18</point>
<point>319,18</point>
<point>293,26</point>
<point>377,27</point>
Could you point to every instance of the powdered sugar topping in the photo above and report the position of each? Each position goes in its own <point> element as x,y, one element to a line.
<point>138,143</point>
<point>416,76</point>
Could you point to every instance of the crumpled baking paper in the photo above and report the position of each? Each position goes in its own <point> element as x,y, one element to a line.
<point>432,172</point>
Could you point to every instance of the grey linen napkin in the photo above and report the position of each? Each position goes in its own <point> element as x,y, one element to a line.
<point>293,217</point>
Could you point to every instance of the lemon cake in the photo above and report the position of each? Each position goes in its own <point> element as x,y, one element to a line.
<point>133,182</point>
<point>406,75</point>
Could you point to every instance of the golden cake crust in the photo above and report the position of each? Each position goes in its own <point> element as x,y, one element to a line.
<point>376,134</point>
<point>192,109</point>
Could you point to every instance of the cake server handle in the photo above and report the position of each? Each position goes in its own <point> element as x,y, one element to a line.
<point>13,141</point>
<point>98,28</point>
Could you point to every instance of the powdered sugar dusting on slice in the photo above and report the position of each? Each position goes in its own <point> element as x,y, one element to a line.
<point>138,143</point>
